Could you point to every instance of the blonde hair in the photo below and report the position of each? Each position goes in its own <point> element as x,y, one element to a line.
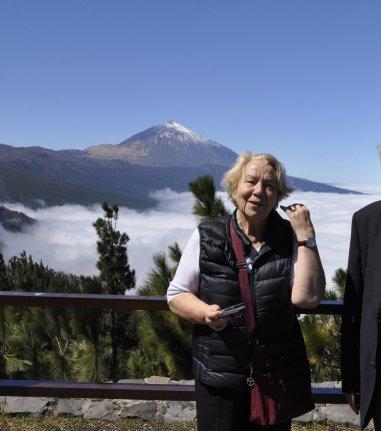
<point>233,176</point>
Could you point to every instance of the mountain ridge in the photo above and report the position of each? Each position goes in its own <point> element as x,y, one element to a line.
<point>33,174</point>
<point>14,221</point>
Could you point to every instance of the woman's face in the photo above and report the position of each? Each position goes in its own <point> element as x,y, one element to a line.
<point>257,191</point>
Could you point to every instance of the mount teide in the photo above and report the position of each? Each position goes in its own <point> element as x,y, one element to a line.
<point>167,155</point>
<point>168,144</point>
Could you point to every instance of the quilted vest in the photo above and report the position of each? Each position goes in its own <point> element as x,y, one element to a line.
<point>220,358</point>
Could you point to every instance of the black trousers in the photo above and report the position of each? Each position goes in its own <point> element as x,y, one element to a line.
<point>224,410</point>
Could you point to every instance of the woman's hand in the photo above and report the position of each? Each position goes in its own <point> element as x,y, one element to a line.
<point>300,220</point>
<point>213,321</point>
<point>190,307</point>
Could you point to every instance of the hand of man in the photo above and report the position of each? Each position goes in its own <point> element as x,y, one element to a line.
<point>213,321</point>
<point>300,220</point>
<point>352,400</point>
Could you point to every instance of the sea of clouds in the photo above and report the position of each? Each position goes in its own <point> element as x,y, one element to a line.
<point>65,239</point>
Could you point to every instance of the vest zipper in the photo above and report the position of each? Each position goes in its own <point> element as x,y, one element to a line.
<point>252,277</point>
<point>250,380</point>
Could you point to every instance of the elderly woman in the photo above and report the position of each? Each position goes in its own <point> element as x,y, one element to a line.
<point>286,270</point>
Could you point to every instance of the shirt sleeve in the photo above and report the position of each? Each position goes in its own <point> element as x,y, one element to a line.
<point>187,277</point>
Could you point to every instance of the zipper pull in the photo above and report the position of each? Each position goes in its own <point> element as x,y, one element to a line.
<point>250,380</point>
<point>249,264</point>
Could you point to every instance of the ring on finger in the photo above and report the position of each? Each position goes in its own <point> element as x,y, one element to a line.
<point>292,207</point>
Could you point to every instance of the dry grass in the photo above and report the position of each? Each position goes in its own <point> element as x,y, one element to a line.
<point>50,423</point>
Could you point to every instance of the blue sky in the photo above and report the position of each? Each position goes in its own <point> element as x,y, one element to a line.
<point>299,79</point>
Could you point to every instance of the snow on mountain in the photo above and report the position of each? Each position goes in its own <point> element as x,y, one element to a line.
<point>167,144</point>
<point>175,133</point>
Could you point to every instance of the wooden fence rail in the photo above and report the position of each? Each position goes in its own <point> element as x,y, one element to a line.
<point>141,391</point>
<point>119,302</point>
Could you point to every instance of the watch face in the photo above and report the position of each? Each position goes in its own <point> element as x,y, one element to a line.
<point>311,242</point>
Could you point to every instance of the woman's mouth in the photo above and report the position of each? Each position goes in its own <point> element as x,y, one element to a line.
<point>256,203</point>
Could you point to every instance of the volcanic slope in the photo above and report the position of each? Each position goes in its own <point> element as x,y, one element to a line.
<point>167,144</point>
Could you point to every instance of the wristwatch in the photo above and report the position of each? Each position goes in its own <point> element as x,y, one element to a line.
<point>309,242</point>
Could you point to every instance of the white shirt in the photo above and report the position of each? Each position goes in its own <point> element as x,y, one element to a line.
<point>187,277</point>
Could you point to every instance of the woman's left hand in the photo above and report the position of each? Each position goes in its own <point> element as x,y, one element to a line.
<point>300,220</point>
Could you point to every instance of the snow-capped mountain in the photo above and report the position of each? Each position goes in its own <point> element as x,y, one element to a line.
<point>125,173</point>
<point>168,144</point>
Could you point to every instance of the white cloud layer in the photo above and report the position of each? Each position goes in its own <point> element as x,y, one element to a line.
<point>65,239</point>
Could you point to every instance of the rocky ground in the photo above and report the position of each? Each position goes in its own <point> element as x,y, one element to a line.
<point>29,414</point>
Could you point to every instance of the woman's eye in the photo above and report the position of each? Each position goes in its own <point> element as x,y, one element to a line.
<point>269,185</point>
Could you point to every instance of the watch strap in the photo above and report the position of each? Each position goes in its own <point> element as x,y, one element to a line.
<point>309,242</point>
<point>302,243</point>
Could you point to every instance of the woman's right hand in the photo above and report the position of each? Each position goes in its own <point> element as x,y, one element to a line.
<point>212,320</point>
<point>190,307</point>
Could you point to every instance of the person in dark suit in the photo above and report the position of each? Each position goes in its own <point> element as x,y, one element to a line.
<point>360,360</point>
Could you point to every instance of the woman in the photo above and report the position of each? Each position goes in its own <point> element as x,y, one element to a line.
<point>286,271</point>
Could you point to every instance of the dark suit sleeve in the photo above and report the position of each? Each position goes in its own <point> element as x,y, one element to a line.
<point>350,329</point>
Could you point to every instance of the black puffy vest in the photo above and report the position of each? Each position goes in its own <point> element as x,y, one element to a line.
<point>220,358</point>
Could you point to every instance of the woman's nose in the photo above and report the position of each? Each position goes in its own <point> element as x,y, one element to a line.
<point>258,188</point>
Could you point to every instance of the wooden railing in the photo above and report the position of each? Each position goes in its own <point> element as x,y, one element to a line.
<point>36,388</point>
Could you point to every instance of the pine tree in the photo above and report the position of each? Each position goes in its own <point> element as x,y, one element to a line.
<point>322,336</point>
<point>4,280</point>
<point>90,351</point>
<point>207,205</point>
<point>9,362</point>
<point>115,275</point>
<point>3,286</point>
<point>164,338</point>
<point>40,336</point>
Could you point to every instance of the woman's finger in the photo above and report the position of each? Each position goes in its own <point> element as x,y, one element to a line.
<point>219,324</point>
<point>212,313</point>
<point>288,210</point>
<point>296,212</point>
<point>213,320</point>
<point>292,208</point>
